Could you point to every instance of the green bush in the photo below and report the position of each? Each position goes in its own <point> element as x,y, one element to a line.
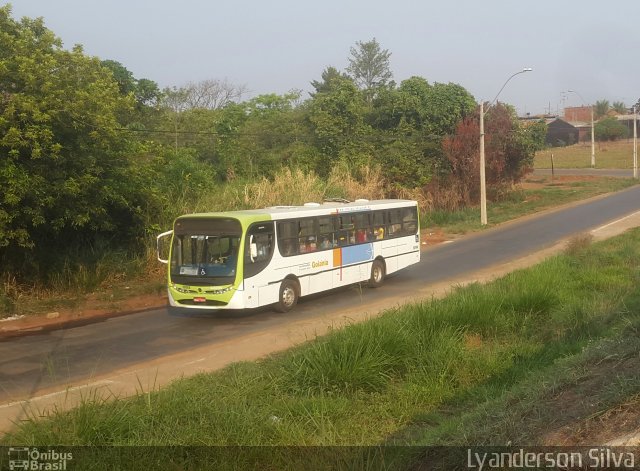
<point>610,129</point>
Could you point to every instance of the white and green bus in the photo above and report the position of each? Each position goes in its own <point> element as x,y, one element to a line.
<point>273,256</point>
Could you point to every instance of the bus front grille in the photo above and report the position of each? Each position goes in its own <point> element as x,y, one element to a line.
<point>208,302</point>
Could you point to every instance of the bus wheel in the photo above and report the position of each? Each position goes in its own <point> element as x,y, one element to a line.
<point>288,296</point>
<point>377,273</point>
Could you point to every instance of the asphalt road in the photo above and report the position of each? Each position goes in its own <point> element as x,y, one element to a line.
<point>60,358</point>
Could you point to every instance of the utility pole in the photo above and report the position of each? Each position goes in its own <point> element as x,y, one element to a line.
<point>593,141</point>
<point>635,144</point>
<point>483,183</point>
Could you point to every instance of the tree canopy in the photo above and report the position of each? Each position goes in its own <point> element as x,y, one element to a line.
<point>62,165</point>
<point>610,129</point>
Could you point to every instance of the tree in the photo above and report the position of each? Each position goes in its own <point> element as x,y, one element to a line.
<point>64,171</point>
<point>337,122</point>
<point>435,109</point>
<point>272,136</point>
<point>420,114</point>
<point>330,76</point>
<point>369,65</point>
<point>212,94</point>
<point>601,108</point>
<point>610,129</point>
<point>619,107</point>
<point>510,148</point>
<point>122,75</point>
<point>462,151</point>
<point>174,100</point>
<point>408,161</point>
<point>447,104</point>
<point>405,104</point>
<point>147,92</point>
<point>536,133</point>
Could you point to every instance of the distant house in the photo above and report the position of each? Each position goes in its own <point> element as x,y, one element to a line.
<point>561,133</point>
<point>577,114</point>
<point>584,130</point>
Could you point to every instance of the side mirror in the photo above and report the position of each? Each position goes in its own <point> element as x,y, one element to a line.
<point>162,247</point>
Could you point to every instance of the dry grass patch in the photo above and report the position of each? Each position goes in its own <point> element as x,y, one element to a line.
<point>616,154</point>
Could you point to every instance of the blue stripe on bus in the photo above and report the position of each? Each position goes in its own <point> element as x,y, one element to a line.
<point>357,253</point>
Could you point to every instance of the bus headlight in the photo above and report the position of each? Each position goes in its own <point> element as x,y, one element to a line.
<point>220,291</point>
<point>180,289</point>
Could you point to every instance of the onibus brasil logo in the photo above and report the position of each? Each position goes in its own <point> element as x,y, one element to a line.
<point>26,458</point>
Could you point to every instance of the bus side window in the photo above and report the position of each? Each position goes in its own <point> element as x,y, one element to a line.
<point>363,228</point>
<point>287,238</point>
<point>342,238</point>
<point>409,221</point>
<point>379,225</point>
<point>307,235</point>
<point>326,228</point>
<point>395,223</point>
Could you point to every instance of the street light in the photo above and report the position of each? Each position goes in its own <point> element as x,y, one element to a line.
<point>483,180</point>
<point>593,140</point>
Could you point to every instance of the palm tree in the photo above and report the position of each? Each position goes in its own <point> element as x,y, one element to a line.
<point>619,107</point>
<point>600,108</point>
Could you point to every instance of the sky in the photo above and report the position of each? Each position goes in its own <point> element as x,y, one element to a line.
<point>278,45</point>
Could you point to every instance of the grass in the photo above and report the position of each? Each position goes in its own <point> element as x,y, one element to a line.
<point>467,369</point>
<point>616,154</point>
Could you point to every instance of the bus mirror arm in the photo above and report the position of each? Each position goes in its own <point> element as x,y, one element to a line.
<point>158,239</point>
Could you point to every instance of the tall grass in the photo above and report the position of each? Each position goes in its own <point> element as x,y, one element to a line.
<point>287,187</point>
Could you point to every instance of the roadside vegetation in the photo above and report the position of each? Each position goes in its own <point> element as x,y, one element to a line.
<point>485,365</point>
<point>117,281</point>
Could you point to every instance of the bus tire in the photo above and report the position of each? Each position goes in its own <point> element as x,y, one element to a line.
<point>378,273</point>
<point>288,297</point>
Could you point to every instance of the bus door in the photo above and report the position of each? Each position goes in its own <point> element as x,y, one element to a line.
<point>258,251</point>
<point>354,249</point>
<point>386,247</point>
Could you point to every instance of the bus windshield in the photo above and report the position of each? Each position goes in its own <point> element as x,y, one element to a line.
<point>204,259</point>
